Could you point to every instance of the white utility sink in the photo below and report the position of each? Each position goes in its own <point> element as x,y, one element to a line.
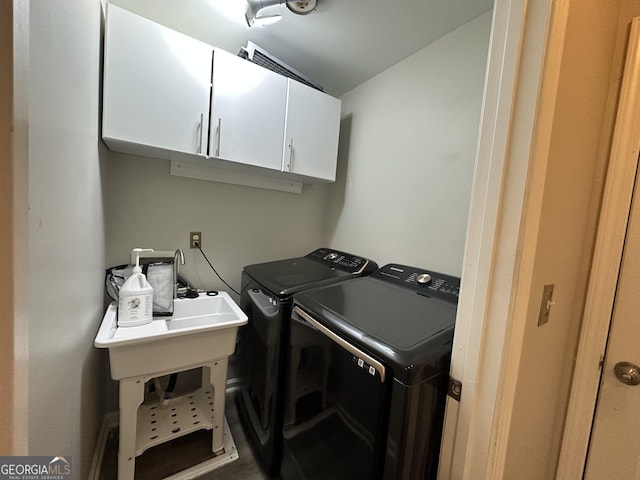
<point>200,330</point>
<point>200,333</point>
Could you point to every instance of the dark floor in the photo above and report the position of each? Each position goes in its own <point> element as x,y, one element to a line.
<point>172,457</point>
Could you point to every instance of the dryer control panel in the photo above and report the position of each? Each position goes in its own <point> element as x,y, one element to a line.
<point>422,281</point>
<point>343,261</point>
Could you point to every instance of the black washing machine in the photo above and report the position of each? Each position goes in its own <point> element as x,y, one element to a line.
<point>367,377</point>
<point>259,360</point>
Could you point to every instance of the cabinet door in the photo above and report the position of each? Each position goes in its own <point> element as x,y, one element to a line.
<point>311,132</point>
<point>157,85</point>
<point>248,106</point>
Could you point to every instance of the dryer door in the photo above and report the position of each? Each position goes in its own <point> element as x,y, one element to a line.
<point>335,410</point>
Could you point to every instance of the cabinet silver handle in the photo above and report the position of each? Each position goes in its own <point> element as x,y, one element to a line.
<point>290,164</point>
<point>218,136</point>
<point>200,129</point>
<point>342,342</point>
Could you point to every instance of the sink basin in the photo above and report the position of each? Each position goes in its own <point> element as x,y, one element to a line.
<point>200,330</point>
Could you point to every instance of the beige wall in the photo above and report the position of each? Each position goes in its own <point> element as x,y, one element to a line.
<point>149,208</point>
<point>6,234</point>
<point>72,231</point>
<point>572,192</point>
<point>66,240</point>
<point>425,154</point>
<point>407,155</point>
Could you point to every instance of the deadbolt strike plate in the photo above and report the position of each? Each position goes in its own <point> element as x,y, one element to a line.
<point>546,304</point>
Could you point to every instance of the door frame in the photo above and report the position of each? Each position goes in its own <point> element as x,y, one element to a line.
<point>14,241</point>
<point>521,85</point>
<point>607,259</point>
<point>6,218</point>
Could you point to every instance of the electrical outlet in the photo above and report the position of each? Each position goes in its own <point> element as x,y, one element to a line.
<point>195,239</point>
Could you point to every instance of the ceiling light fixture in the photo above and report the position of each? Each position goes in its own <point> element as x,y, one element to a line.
<point>253,17</point>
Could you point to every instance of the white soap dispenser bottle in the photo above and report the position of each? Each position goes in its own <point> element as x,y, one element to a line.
<point>135,299</point>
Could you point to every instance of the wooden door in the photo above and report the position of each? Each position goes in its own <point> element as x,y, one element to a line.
<point>614,447</point>
<point>614,451</point>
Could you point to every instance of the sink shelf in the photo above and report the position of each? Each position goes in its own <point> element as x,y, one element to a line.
<point>159,421</point>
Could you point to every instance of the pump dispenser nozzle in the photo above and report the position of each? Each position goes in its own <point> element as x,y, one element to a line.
<point>137,251</point>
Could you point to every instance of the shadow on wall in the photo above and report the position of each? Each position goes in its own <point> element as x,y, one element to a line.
<point>338,189</point>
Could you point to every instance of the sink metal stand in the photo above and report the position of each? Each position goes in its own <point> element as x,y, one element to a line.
<point>206,407</point>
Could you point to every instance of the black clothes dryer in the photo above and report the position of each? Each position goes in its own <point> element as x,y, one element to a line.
<point>258,362</point>
<point>367,377</point>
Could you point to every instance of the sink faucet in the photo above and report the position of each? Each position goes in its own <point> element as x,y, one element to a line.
<point>177,256</point>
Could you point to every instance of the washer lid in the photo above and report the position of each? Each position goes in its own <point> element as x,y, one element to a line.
<point>410,332</point>
<point>320,267</point>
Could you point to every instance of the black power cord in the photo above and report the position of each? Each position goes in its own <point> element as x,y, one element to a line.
<point>215,271</point>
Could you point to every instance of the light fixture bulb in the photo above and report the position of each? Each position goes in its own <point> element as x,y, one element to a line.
<point>302,7</point>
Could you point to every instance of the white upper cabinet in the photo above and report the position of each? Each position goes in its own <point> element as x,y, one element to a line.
<point>167,95</point>
<point>311,133</point>
<point>157,85</point>
<point>247,112</point>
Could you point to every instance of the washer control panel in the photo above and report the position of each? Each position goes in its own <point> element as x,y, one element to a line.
<point>343,261</point>
<point>423,282</point>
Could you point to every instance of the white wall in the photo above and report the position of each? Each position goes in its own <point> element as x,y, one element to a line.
<point>407,151</point>
<point>407,143</point>
<point>435,97</point>
<point>147,207</point>
<point>66,231</point>
<point>240,225</point>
